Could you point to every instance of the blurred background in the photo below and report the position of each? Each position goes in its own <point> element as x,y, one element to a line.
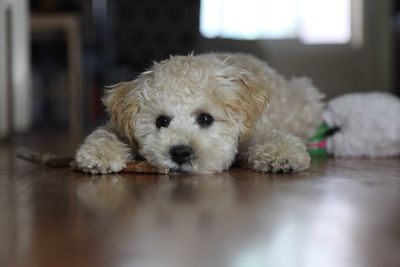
<point>57,55</point>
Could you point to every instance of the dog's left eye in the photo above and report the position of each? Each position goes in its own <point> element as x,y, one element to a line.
<point>205,119</point>
<point>162,121</point>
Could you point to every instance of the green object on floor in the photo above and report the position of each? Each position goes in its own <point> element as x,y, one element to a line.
<point>317,144</point>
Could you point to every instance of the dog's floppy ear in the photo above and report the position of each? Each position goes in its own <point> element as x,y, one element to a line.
<point>122,103</point>
<point>252,96</point>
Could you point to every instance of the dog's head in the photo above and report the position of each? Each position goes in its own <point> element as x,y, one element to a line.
<point>188,113</point>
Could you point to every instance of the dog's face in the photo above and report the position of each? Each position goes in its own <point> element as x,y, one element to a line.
<point>188,113</point>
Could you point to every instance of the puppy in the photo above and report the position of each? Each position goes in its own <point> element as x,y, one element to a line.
<point>200,113</point>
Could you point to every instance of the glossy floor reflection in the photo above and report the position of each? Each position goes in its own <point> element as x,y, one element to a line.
<point>341,212</point>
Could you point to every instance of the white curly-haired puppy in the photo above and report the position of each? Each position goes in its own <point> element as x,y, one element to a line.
<point>200,113</point>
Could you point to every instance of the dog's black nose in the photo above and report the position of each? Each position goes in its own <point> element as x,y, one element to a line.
<point>181,153</point>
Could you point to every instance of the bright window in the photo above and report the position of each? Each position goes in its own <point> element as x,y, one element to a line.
<point>311,21</point>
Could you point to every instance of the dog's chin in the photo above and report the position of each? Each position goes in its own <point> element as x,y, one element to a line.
<point>185,168</point>
<point>193,169</point>
<point>194,166</point>
<point>190,168</point>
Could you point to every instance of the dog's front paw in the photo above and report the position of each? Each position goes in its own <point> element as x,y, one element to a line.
<point>284,155</point>
<point>95,159</point>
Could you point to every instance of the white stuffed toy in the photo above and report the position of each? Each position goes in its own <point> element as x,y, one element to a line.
<point>360,125</point>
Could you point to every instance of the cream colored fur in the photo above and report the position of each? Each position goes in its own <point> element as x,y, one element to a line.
<point>257,116</point>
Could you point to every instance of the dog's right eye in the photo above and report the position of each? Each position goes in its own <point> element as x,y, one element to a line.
<point>162,121</point>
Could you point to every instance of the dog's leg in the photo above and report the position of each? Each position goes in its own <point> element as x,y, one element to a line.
<point>276,152</point>
<point>103,152</point>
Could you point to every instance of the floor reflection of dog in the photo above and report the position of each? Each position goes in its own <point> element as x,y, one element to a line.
<point>184,222</point>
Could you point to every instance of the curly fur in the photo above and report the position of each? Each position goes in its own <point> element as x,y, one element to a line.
<point>255,110</point>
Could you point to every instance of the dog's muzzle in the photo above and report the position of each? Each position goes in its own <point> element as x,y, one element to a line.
<point>181,154</point>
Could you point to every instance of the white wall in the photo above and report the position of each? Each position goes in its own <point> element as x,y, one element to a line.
<point>4,122</point>
<point>15,82</point>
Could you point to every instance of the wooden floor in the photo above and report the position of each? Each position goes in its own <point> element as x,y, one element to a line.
<point>340,212</point>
